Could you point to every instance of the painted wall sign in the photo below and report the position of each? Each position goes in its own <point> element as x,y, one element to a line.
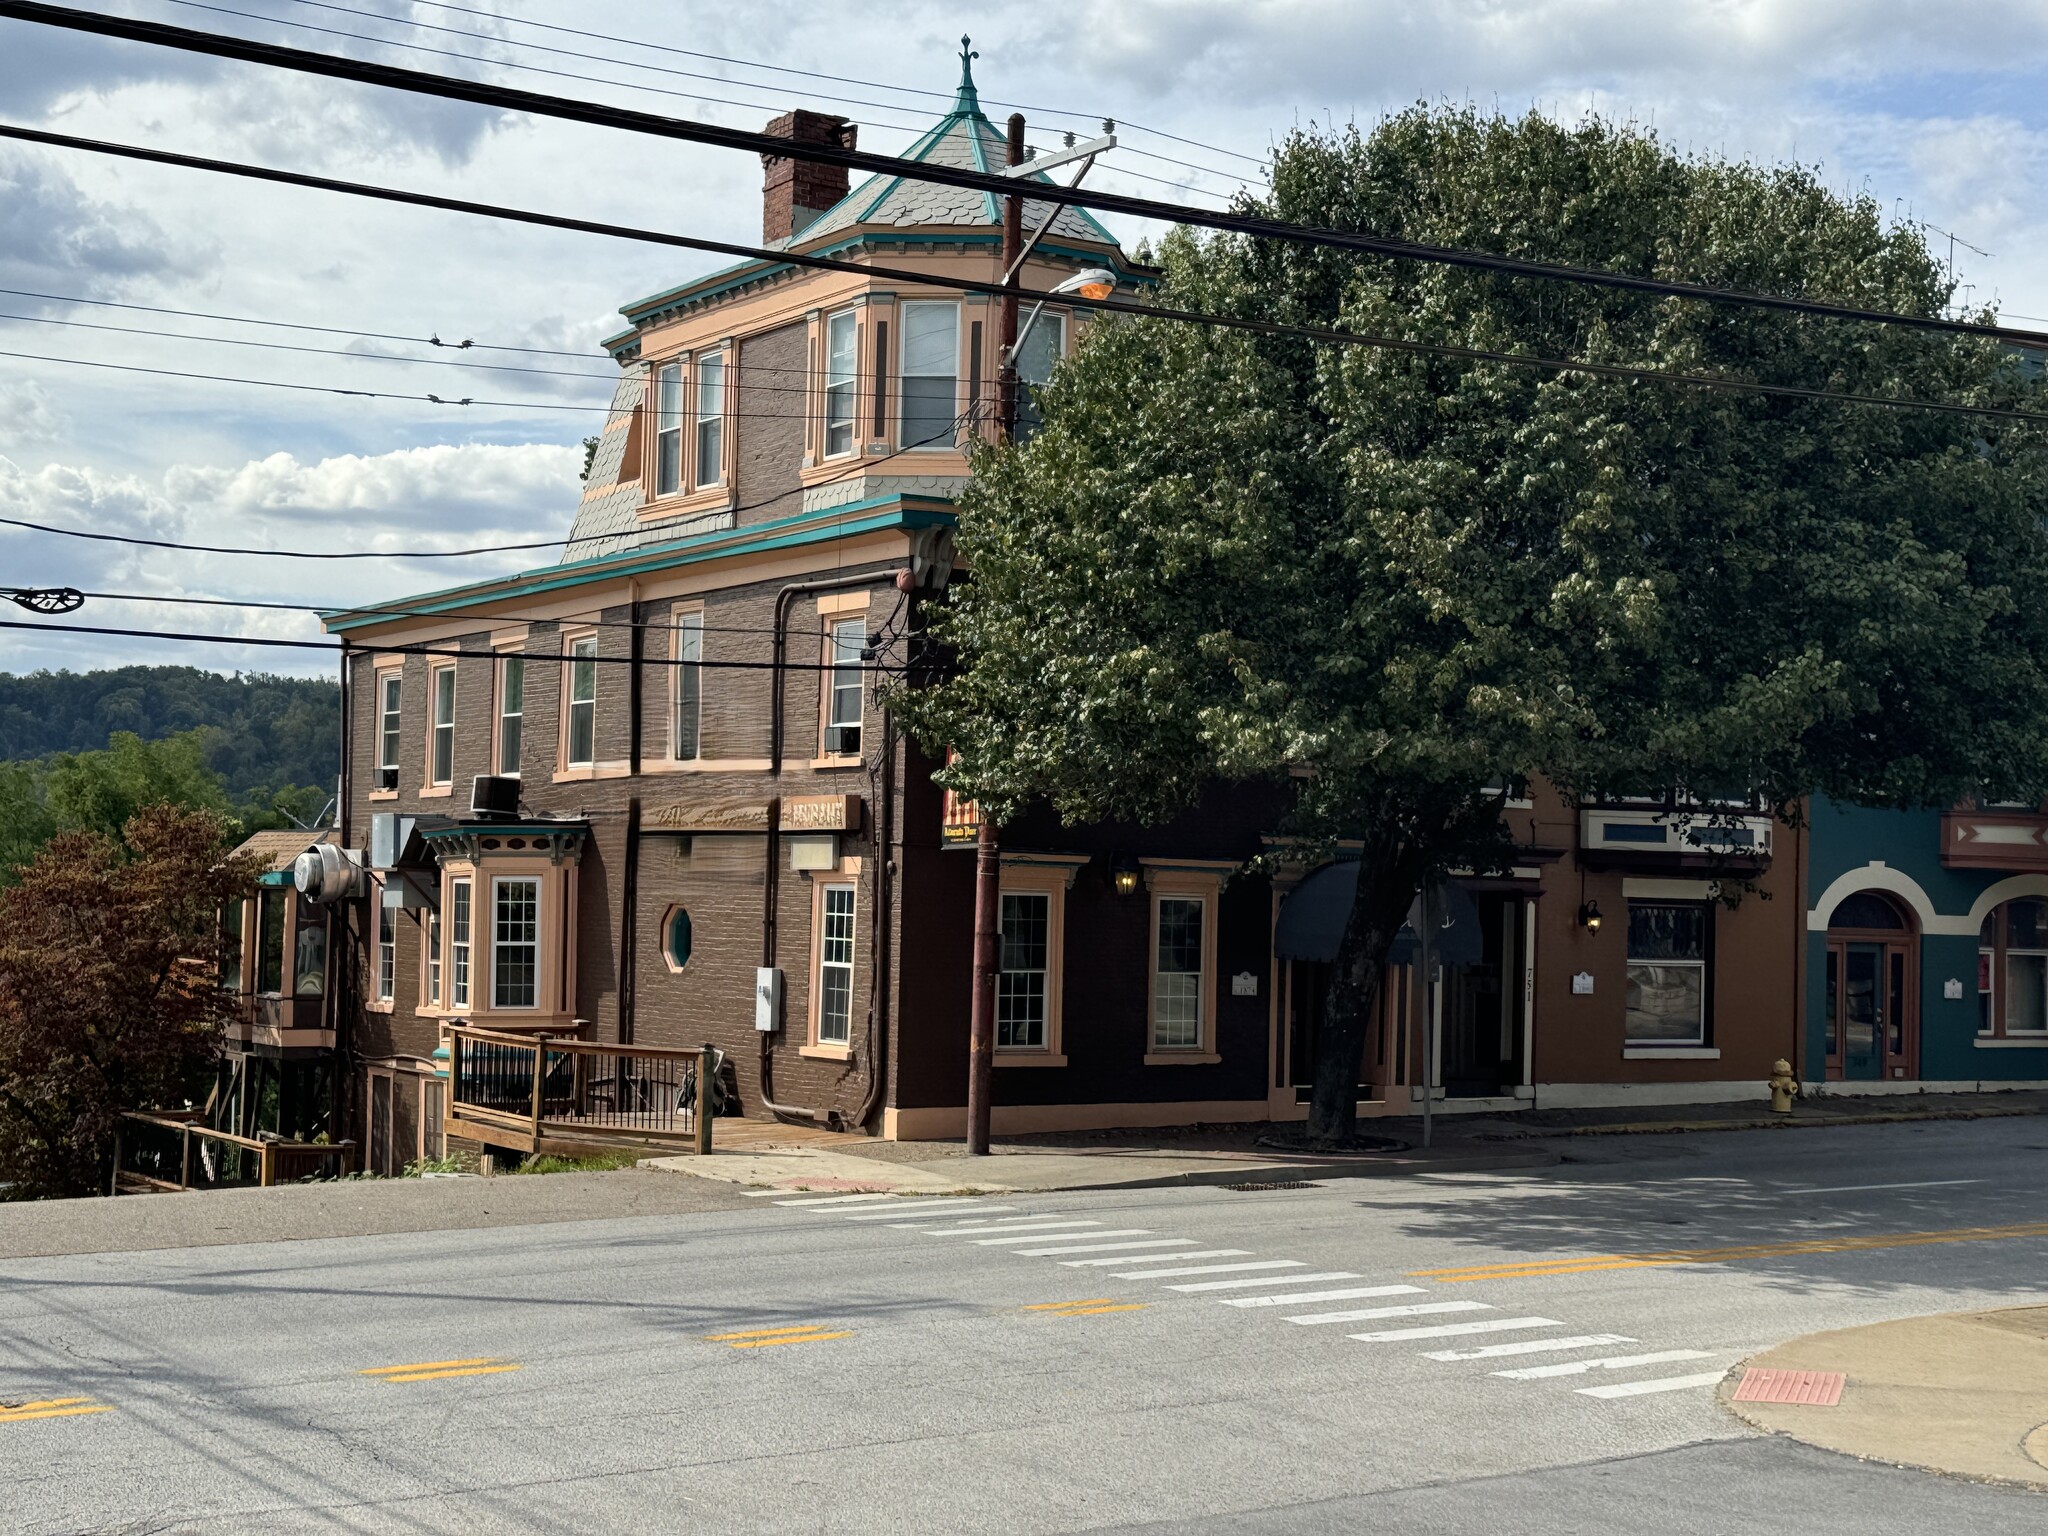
<point>1244,984</point>
<point>800,813</point>
<point>1952,989</point>
<point>1582,984</point>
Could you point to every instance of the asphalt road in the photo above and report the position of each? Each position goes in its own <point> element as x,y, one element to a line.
<point>927,1365</point>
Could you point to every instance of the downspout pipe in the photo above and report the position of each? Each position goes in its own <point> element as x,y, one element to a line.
<point>779,676</point>
<point>879,990</point>
<point>629,878</point>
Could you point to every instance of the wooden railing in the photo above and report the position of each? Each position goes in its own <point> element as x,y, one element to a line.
<point>176,1150</point>
<point>533,1089</point>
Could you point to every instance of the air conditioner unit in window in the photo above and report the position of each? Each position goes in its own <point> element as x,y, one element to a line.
<point>387,778</point>
<point>495,796</point>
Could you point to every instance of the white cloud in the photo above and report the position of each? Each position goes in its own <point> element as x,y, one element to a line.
<point>27,418</point>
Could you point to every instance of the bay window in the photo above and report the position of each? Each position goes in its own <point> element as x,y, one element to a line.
<point>841,383</point>
<point>458,943</point>
<point>930,373</point>
<point>515,942</point>
<point>668,429</point>
<point>433,959</point>
<point>710,469</point>
<point>1667,972</point>
<point>1036,359</point>
<point>270,912</point>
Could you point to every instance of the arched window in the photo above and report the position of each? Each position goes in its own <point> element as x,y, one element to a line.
<point>676,938</point>
<point>1871,1024</point>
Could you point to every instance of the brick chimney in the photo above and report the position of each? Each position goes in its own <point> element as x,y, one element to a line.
<point>795,192</point>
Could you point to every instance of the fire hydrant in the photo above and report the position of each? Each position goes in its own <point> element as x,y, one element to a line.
<point>1783,1085</point>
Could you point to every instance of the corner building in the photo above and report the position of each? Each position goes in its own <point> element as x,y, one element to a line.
<point>705,821</point>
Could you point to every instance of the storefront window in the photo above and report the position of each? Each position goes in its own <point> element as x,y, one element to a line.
<point>1667,972</point>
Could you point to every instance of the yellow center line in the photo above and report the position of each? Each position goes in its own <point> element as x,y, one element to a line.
<point>762,1333</point>
<point>1128,1306</point>
<point>799,1338</point>
<point>1061,1306</point>
<point>1537,1269</point>
<point>472,1370</point>
<point>53,1408</point>
<point>427,1365</point>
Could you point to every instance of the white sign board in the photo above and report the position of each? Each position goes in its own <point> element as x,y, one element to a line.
<point>1244,984</point>
<point>1952,989</point>
<point>1582,984</point>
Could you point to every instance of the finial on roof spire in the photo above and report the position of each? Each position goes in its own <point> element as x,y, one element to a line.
<point>967,100</point>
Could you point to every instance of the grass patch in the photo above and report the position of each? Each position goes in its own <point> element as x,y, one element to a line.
<point>420,1166</point>
<point>600,1162</point>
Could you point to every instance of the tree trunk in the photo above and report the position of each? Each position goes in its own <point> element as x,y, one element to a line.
<point>1388,877</point>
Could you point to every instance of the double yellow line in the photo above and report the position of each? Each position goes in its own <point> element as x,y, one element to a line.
<point>439,1370</point>
<point>50,1408</point>
<point>769,1338</point>
<point>1092,1307</point>
<point>1538,1269</point>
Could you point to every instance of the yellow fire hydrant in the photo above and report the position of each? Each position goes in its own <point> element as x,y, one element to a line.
<point>1783,1086</point>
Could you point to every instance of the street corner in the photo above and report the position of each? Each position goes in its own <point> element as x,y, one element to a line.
<point>808,1171</point>
<point>1962,1393</point>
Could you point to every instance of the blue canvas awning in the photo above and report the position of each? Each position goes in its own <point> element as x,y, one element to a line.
<point>1313,915</point>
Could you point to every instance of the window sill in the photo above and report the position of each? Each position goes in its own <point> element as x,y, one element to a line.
<point>827,764</point>
<point>376,1007</point>
<point>2012,1042</point>
<point>1181,1058</point>
<point>709,498</point>
<point>1029,1059</point>
<point>585,772</point>
<point>383,794</point>
<point>826,1052</point>
<point>437,791</point>
<point>1671,1053</point>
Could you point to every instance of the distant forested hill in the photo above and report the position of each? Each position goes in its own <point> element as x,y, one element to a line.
<point>264,733</point>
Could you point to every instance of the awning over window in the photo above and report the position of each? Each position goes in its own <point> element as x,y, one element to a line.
<point>1313,915</point>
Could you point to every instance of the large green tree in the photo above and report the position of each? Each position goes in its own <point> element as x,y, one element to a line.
<point>1386,578</point>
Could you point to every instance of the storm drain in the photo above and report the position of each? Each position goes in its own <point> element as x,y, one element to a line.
<point>1274,1184</point>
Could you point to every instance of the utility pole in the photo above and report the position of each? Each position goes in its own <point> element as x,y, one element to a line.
<point>988,863</point>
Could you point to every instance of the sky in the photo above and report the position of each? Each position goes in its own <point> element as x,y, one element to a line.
<point>1941,112</point>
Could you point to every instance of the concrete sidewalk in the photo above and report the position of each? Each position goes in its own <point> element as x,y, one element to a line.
<point>1965,1393</point>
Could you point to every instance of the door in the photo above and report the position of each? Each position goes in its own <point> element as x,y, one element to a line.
<point>1871,1023</point>
<point>1863,1011</point>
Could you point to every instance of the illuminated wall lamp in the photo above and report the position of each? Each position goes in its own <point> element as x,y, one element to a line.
<point>1589,916</point>
<point>1123,874</point>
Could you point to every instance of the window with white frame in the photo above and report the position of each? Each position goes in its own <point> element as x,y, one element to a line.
<point>843,708</point>
<point>686,731</point>
<point>841,383</point>
<point>515,942</point>
<point>458,943</point>
<point>390,689</point>
<point>1026,963</point>
<point>835,965</point>
<point>434,959</point>
<point>1177,976</point>
<point>668,429</point>
<point>582,743</point>
<point>710,421</point>
<point>387,951</point>
<point>930,374</point>
<point>2012,969</point>
<point>1036,359</point>
<point>511,713</point>
<point>441,749</point>
<point>1667,972</point>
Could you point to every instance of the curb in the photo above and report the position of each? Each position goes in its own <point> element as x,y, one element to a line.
<point>1275,1173</point>
<point>1774,1123</point>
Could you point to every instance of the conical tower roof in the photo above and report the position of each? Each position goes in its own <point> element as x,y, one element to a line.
<point>964,138</point>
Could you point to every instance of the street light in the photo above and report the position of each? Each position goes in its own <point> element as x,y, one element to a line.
<point>1092,283</point>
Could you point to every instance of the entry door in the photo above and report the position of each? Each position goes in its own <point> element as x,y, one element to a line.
<point>1863,1011</point>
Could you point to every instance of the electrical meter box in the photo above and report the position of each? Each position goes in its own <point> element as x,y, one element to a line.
<point>767,998</point>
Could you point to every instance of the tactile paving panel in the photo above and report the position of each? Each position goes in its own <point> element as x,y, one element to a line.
<point>1816,1389</point>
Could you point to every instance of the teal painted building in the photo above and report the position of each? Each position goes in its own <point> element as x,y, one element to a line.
<point>1926,948</point>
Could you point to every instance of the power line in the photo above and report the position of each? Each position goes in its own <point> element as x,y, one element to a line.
<point>369,648</point>
<point>465,345</point>
<point>512,99</point>
<point>873,272</point>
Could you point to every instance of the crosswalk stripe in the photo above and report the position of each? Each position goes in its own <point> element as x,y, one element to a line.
<point>973,1225</point>
<point>1354,1293</point>
<point>1232,1285</point>
<point>1211,1269</point>
<point>1368,1314</point>
<point>1159,1242</point>
<point>1157,1258</point>
<point>1611,1363</point>
<point>869,1199</point>
<point>1046,1234</point>
<point>947,1213</point>
<point>1454,1330</point>
<point>1530,1347</point>
<point>1662,1384</point>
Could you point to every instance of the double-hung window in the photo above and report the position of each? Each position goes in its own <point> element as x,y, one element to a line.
<point>710,421</point>
<point>843,709</point>
<point>685,736</point>
<point>1667,972</point>
<point>270,941</point>
<point>441,763</point>
<point>1036,359</point>
<point>2012,969</point>
<point>1177,975</point>
<point>841,383</point>
<point>1026,958</point>
<point>458,943</point>
<point>582,743</point>
<point>387,951</point>
<point>930,374</point>
<point>511,713</point>
<point>668,429</point>
<point>390,689</point>
<point>434,929</point>
<point>515,942</point>
<point>835,965</point>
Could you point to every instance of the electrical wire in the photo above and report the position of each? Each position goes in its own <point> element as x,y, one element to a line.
<point>508,98</point>
<point>873,272</point>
